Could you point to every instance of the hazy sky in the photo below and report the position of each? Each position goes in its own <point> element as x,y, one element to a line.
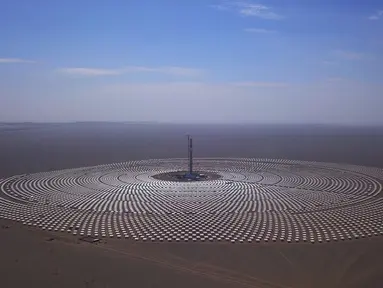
<point>317,61</point>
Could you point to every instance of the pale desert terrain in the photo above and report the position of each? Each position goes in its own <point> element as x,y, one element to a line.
<point>35,258</point>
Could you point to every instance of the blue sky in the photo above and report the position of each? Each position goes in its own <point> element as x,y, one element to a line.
<point>229,61</point>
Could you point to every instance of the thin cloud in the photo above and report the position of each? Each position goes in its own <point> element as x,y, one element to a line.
<point>89,71</point>
<point>249,9</point>
<point>260,84</point>
<point>257,10</point>
<point>170,70</point>
<point>259,30</point>
<point>377,15</point>
<point>350,55</point>
<point>219,7</point>
<point>224,6</point>
<point>15,60</point>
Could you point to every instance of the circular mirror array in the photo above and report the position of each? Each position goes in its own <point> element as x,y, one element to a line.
<point>252,201</point>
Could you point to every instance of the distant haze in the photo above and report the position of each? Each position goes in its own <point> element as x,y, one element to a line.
<point>201,62</point>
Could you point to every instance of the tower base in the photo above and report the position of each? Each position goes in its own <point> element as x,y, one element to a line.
<point>185,176</point>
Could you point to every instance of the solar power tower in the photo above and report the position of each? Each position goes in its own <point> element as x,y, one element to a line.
<point>190,154</point>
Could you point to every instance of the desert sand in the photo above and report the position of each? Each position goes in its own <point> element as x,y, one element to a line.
<point>35,258</point>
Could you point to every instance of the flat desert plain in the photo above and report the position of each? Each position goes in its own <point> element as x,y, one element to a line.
<point>34,258</point>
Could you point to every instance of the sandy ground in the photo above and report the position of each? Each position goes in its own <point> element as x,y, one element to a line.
<point>35,258</point>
